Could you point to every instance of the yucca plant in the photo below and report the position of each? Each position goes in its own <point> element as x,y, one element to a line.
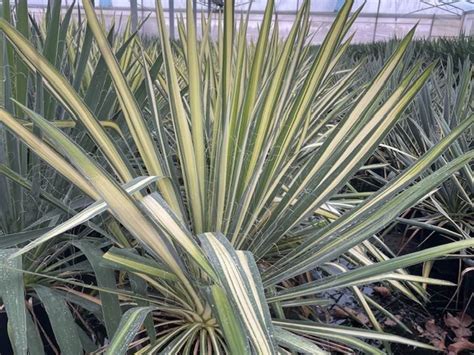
<point>447,212</point>
<point>442,105</point>
<point>443,48</point>
<point>225,188</point>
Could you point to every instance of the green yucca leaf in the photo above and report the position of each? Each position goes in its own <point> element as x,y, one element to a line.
<point>62,322</point>
<point>223,160</point>
<point>15,239</point>
<point>12,293</point>
<point>51,47</point>
<point>35,346</point>
<point>8,58</point>
<point>139,286</point>
<point>105,279</point>
<point>3,99</point>
<point>99,81</point>
<point>82,56</point>
<point>351,341</point>
<point>128,328</point>
<point>238,156</point>
<point>21,69</point>
<point>256,68</point>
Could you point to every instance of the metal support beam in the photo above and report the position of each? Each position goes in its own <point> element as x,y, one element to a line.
<point>134,14</point>
<point>142,8</point>
<point>431,26</point>
<point>461,27</point>
<point>376,21</point>
<point>171,15</point>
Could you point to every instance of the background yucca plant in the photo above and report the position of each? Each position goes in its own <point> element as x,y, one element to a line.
<point>458,49</point>
<point>442,105</point>
<point>444,102</point>
<point>196,182</point>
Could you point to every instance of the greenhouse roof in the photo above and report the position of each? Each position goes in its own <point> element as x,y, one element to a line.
<point>380,20</point>
<point>400,8</point>
<point>389,7</point>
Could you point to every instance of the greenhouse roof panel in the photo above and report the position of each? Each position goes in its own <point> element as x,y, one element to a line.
<point>399,7</point>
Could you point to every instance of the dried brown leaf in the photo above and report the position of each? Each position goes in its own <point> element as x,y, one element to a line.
<point>383,291</point>
<point>459,321</point>
<point>435,334</point>
<point>346,312</point>
<point>459,346</point>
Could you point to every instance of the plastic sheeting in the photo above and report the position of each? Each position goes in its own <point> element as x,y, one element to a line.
<point>380,20</point>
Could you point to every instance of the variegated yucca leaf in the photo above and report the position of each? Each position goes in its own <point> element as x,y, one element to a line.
<point>127,329</point>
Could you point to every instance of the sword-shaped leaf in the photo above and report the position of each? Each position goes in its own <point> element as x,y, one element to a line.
<point>128,328</point>
<point>12,294</point>
<point>235,276</point>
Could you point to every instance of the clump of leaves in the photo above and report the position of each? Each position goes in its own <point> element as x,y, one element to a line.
<point>454,337</point>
